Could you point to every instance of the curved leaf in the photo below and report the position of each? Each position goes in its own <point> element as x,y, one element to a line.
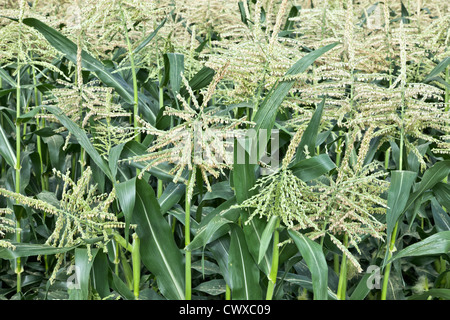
<point>401,183</point>
<point>215,224</point>
<point>438,243</point>
<point>310,135</point>
<point>430,178</point>
<point>315,259</point>
<point>159,251</point>
<point>438,69</point>
<point>126,194</point>
<point>266,237</point>
<point>312,168</point>
<point>83,266</point>
<point>28,249</point>
<point>6,151</point>
<point>243,270</point>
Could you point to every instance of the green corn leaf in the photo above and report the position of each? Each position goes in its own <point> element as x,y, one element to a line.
<point>289,24</point>
<point>213,287</point>
<point>171,196</point>
<point>5,76</point>
<point>401,183</point>
<point>150,37</point>
<point>200,80</point>
<point>54,144</point>
<point>114,157</point>
<point>161,171</point>
<point>310,135</point>
<point>220,251</point>
<point>438,69</point>
<point>431,177</point>
<point>215,224</point>
<point>219,190</point>
<point>243,175</point>
<point>243,270</point>
<point>120,287</point>
<point>436,244</point>
<point>253,231</point>
<point>159,251</point>
<point>312,168</point>
<point>362,290</point>
<point>29,115</point>
<point>100,273</point>
<point>405,14</point>
<point>266,237</point>
<point>244,18</point>
<point>126,194</point>
<point>315,259</point>
<point>442,192</point>
<point>30,249</point>
<point>441,218</point>
<point>6,150</point>
<point>304,282</point>
<point>436,293</point>
<point>83,266</point>
<point>174,67</point>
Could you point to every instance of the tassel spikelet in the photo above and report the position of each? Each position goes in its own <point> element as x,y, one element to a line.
<point>346,203</point>
<point>7,225</point>
<point>81,215</point>
<point>203,138</point>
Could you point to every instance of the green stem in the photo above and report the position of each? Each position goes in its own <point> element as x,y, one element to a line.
<point>336,263</point>
<point>342,285</point>
<point>82,161</point>
<point>387,156</point>
<point>160,188</point>
<point>136,259</point>
<point>227,292</point>
<point>124,243</point>
<point>187,240</point>
<point>387,270</point>
<point>275,260</point>
<point>130,275</point>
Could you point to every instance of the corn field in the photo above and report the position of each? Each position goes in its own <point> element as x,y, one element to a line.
<point>224,150</point>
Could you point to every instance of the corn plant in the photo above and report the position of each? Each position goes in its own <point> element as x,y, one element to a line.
<point>224,150</point>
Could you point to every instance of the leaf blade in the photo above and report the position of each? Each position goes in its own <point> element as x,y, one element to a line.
<point>159,252</point>
<point>243,270</point>
<point>315,259</point>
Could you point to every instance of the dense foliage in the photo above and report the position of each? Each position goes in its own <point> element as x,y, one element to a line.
<point>178,149</point>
